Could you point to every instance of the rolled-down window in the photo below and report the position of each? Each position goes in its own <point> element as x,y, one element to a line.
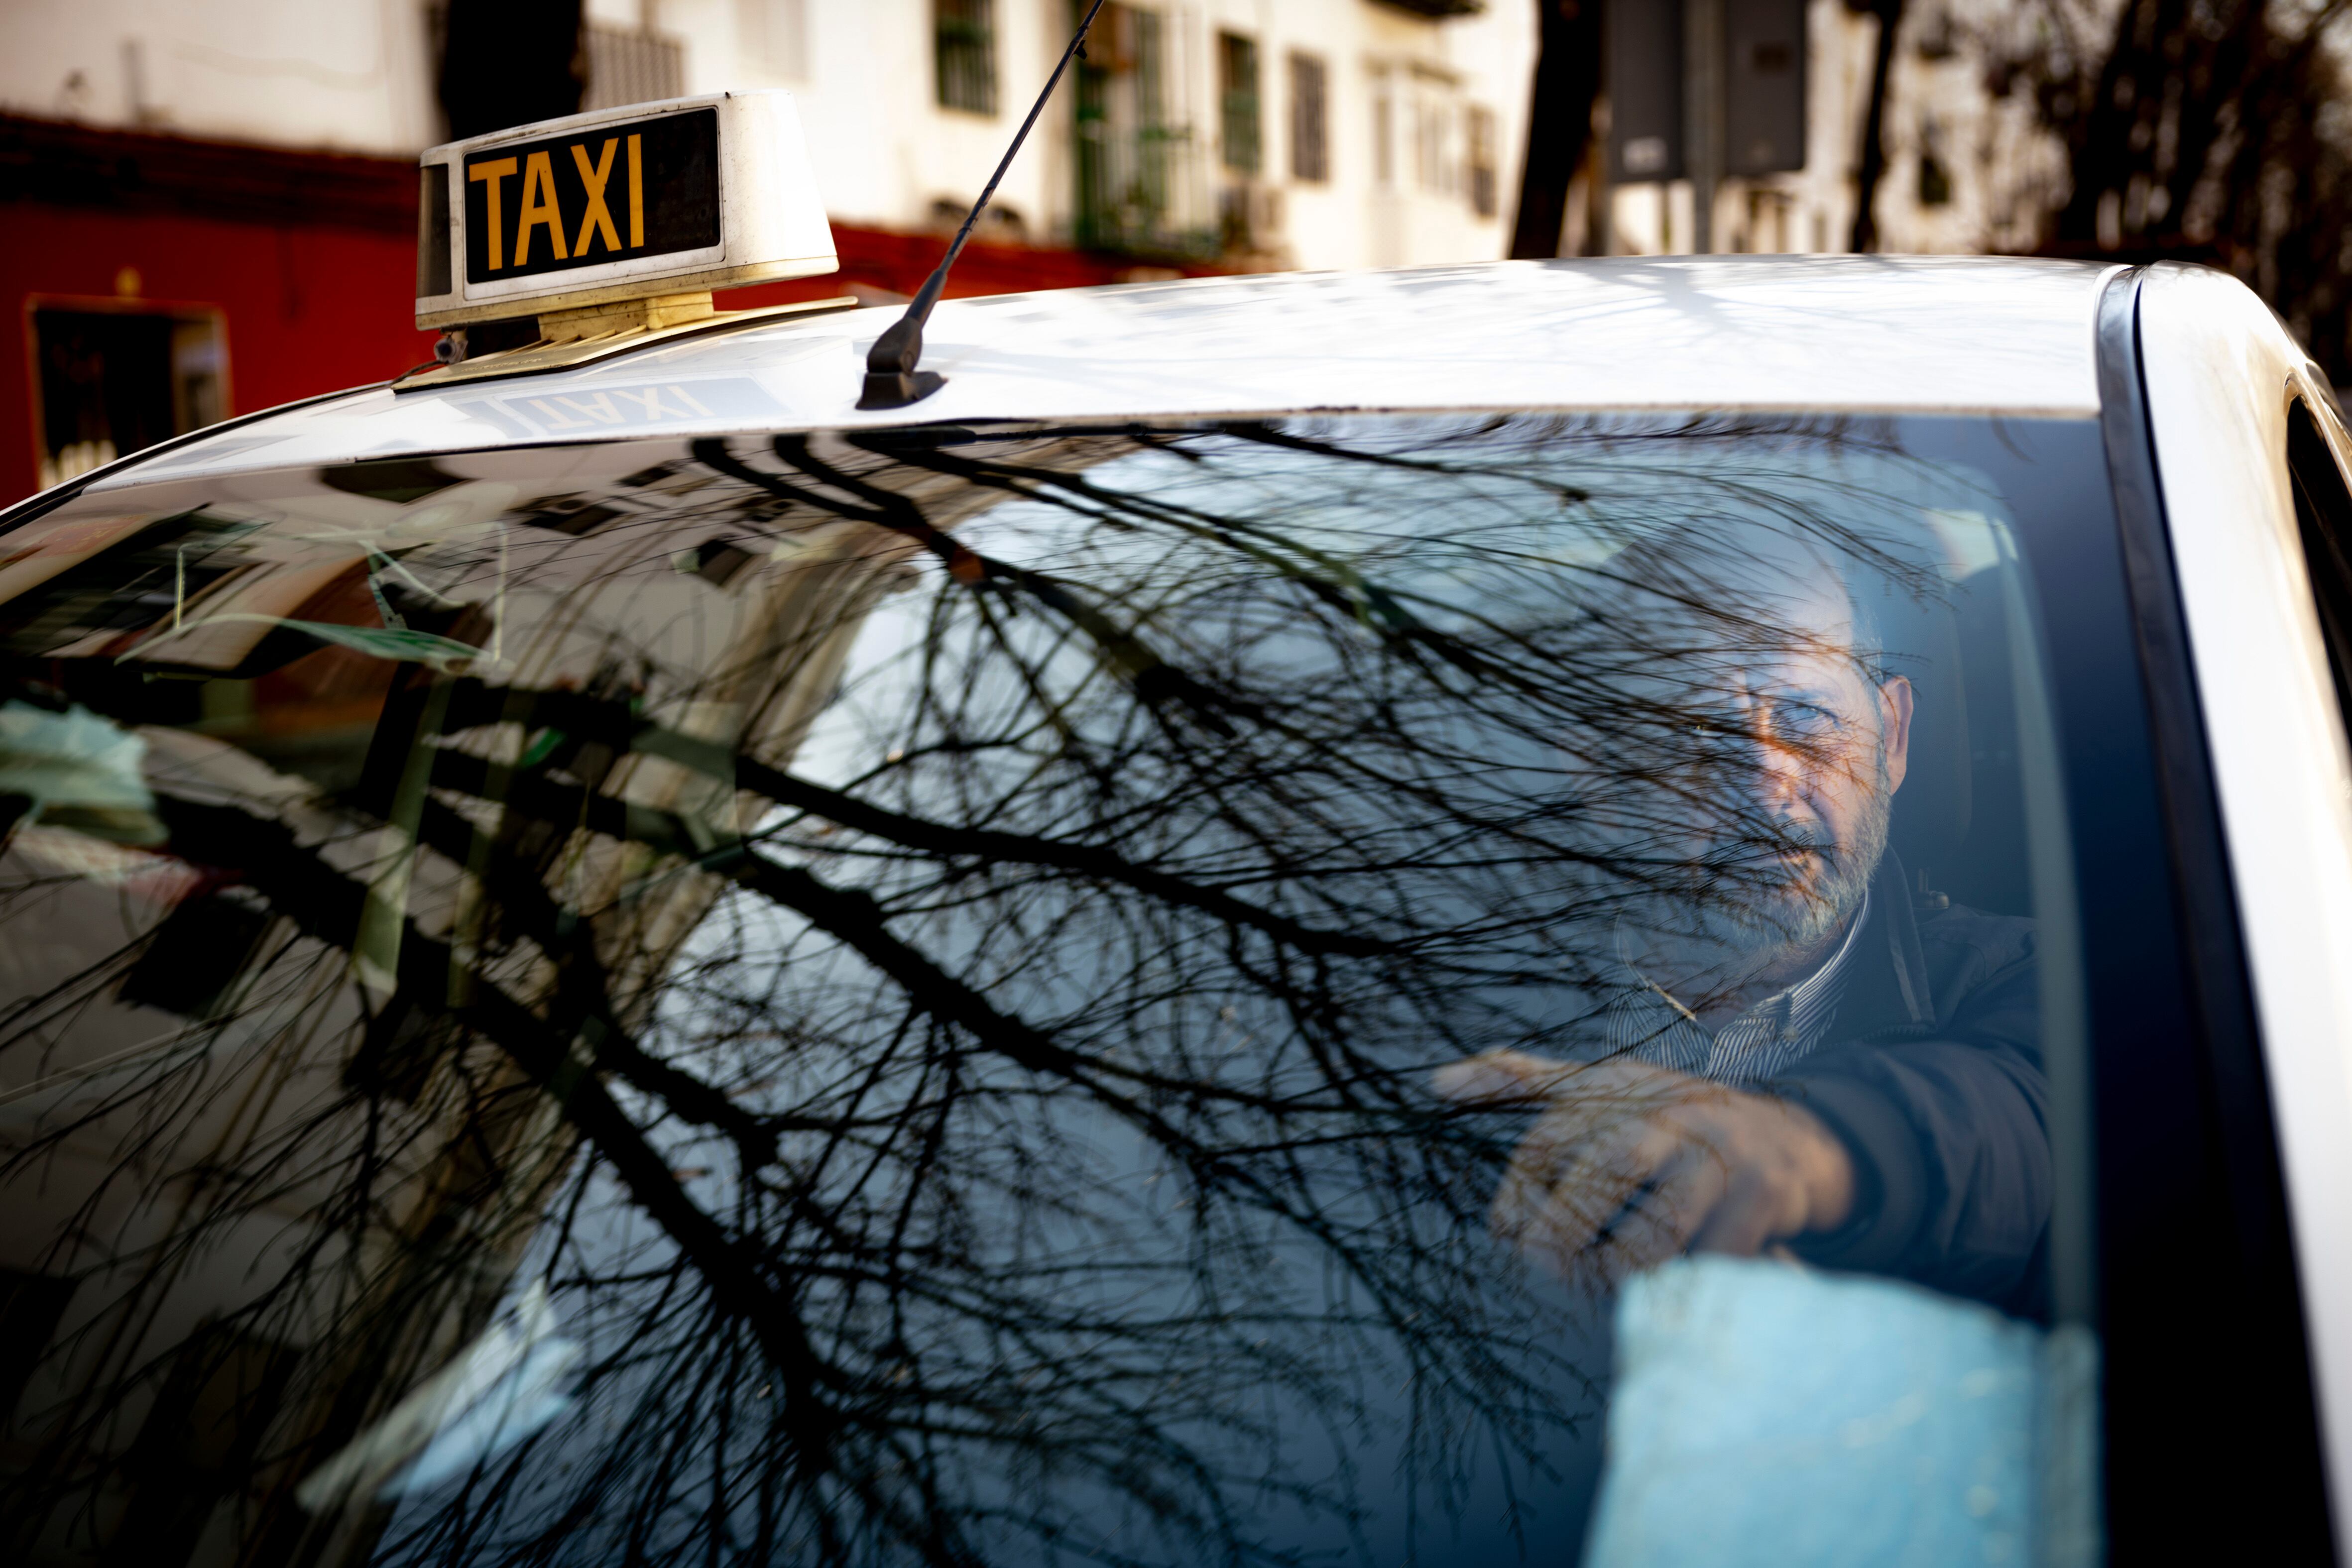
<point>1144,993</point>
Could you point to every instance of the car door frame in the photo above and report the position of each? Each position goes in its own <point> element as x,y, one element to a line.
<point>2197,382</point>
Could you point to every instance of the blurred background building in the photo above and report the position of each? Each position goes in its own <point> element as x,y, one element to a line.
<point>210,204</point>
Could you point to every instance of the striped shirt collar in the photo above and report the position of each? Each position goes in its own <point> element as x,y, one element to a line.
<point>1650,1025</point>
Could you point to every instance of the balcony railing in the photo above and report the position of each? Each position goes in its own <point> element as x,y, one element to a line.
<point>1143,189</point>
<point>625,66</point>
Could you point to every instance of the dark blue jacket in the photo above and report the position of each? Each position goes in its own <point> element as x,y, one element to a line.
<point>1932,1075</point>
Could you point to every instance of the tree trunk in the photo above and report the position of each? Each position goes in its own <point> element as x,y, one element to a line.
<point>1872,167</point>
<point>509,62</point>
<point>1559,120</point>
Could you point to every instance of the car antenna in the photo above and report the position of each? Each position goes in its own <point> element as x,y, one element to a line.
<point>892,380</point>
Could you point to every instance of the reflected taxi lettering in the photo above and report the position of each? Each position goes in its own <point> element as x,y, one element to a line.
<point>621,405</point>
<point>607,193</point>
<point>535,415</point>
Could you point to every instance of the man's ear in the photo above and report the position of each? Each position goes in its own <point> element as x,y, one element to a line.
<point>1895,727</point>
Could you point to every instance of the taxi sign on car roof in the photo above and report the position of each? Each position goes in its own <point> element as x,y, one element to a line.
<point>621,219</point>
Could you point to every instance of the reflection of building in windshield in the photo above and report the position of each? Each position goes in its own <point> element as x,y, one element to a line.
<point>926,950</point>
<point>325,688</point>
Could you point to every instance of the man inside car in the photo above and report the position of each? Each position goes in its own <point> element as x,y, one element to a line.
<point>1795,1058</point>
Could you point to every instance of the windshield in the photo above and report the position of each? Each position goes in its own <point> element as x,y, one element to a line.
<point>1320,988</point>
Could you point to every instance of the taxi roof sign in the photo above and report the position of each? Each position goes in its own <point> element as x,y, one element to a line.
<point>629,203</point>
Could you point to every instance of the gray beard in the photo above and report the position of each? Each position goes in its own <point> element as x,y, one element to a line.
<point>1800,918</point>
<point>1730,933</point>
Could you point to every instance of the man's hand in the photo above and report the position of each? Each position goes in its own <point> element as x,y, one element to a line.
<point>1630,1165</point>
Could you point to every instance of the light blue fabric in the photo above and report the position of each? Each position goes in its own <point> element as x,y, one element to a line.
<point>1768,1414</point>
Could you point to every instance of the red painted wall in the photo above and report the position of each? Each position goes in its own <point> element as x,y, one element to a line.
<point>882,258</point>
<point>309,310</point>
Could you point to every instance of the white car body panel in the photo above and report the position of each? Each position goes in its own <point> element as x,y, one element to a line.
<point>1913,335</point>
<point>2220,372</point>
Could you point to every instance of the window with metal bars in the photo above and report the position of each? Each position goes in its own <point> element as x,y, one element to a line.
<point>1433,114</point>
<point>1310,143</point>
<point>1482,161</point>
<point>1140,161</point>
<point>964,38</point>
<point>628,65</point>
<point>1244,134</point>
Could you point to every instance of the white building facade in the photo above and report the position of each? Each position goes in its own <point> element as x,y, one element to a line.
<point>1267,133</point>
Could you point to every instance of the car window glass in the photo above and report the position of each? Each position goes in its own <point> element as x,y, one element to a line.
<point>1241,988</point>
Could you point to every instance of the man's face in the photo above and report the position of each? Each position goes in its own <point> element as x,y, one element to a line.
<point>1816,751</point>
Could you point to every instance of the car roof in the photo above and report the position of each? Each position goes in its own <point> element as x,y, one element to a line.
<point>1909,334</point>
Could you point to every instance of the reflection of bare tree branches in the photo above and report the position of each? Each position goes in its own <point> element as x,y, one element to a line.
<point>574,804</point>
<point>1153,679</point>
<point>954,1058</point>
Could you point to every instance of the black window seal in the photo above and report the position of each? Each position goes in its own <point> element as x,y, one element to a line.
<point>2246,1444</point>
<point>2302,402</point>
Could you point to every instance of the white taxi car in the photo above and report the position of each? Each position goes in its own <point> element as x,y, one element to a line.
<point>1653,911</point>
